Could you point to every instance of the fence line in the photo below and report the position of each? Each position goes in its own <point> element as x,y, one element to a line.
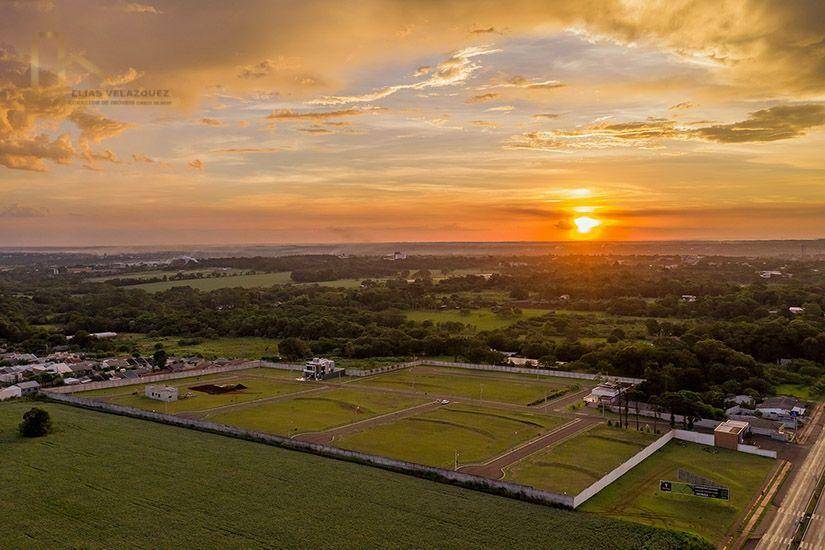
<point>502,488</point>
<point>622,469</point>
<point>170,376</point>
<point>496,368</point>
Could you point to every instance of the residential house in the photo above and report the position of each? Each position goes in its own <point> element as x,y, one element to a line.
<point>320,369</point>
<point>28,388</point>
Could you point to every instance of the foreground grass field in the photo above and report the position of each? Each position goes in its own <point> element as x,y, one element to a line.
<point>175,488</point>
<point>433,438</point>
<point>636,496</point>
<point>315,412</point>
<point>490,386</point>
<point>575,464</point>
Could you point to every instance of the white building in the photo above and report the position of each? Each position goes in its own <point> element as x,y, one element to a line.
<point>162,393</point>
<point>522,361</point>
<point>796,310</point>
<point>607,392</point>
<point>8,393</point>
<point>318,368</point>
<point>688,298</point>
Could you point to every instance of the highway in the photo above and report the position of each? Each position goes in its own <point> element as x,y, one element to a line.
<point>783,527</point>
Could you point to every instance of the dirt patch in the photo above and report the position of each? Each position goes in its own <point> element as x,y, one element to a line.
<point>217,389</point>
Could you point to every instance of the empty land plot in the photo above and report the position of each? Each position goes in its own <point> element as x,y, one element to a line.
<point>169,482</point>
<point>577,463</point>
<point>470,384</point>
<point>433,438</point>
<point>258,386</point>
<point>316,412</point>
<point>635,496</point>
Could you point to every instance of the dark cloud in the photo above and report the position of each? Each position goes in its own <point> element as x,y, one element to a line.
<point>20,211</point>
<point>481,98</point>
<point>288,114</point>
<point>773,124</point>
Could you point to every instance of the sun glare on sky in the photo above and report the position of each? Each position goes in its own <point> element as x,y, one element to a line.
<point>584,224</point>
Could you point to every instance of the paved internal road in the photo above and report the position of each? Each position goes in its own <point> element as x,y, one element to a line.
<point>783,527</point>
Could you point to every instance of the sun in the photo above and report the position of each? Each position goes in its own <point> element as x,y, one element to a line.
<point>584,224</point>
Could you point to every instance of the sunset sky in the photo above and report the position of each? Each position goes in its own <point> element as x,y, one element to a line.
<point>372,121</point>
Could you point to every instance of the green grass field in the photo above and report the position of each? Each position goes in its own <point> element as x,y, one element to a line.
<point>636,496</point>
<point>433,438</point>
<point>260,383</point>
<point>242,281</point>
<point>490,386</point>
<point>315,412</point>
<point>244,347</point>
<point>574,464</point>
<point>797,390</point>
<point>481,319</point>
<point>161,273</point>
<point>104,481</point>
<point>214,283</point>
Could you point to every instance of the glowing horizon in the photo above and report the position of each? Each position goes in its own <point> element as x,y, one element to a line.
<point>428,122</point>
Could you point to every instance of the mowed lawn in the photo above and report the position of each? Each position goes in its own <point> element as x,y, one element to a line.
<point>260,383</point>
<point>481,319</point>
<point>636,496</point>
<point>576,463</point>
<point>433,438</point>
<point>314,412</point>
<point>106,481</point>
<point>469,384</point>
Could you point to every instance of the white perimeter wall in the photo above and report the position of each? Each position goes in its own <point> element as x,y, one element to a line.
<point>170,376</point>
<point>683,435</point>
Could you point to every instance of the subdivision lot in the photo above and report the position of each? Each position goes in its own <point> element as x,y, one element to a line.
<point>103,481</point>
<point>434,438</point>
<point>469,384</point>
<point>261,383</point>
<point>635,496</point>
<point>318,411</point>
<point>576,463</point>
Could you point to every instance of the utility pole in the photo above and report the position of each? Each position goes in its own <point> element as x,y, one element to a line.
<point>455,464</point>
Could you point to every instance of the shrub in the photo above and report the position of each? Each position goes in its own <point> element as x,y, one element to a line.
<point>36,423</point>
